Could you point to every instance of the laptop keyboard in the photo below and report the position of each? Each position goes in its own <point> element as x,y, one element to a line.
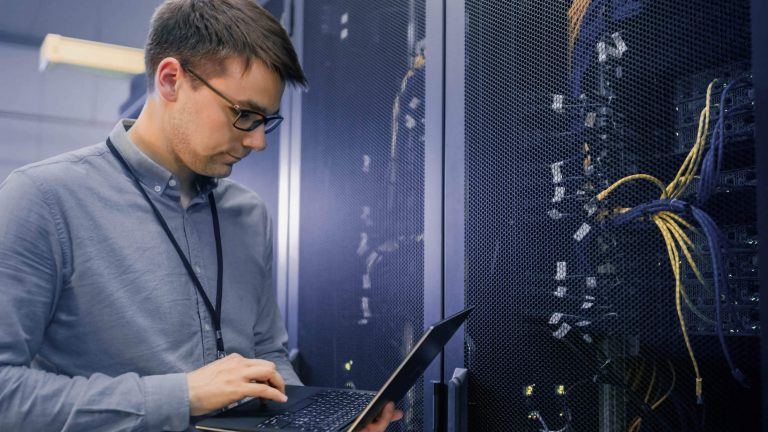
<point>327,411</point>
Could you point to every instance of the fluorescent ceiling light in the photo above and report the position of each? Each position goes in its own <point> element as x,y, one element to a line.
<point>57,49</point>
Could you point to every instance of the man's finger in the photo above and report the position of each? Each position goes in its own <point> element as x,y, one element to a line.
<point>264,373</point>
<point>265,392</point>
<point>387,415</point>
<point>397,415</point>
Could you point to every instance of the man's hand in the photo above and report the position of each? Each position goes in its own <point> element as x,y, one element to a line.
<point>388,414</point>
<point>228,380</point>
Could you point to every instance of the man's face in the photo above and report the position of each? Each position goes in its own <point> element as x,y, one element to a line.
<point>202,137</point>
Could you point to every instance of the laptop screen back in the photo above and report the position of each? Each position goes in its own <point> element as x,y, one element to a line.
<point>413,366</point>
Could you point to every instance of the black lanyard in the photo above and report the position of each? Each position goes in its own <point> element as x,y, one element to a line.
<point>215,313</point>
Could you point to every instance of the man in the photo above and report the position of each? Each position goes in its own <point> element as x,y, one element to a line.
<point>134,278</point>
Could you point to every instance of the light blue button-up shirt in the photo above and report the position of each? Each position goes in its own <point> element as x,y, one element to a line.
<point>99,320</point>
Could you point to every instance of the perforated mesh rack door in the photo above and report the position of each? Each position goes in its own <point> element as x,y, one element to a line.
<point>361,293</point>
<point>576,326</point>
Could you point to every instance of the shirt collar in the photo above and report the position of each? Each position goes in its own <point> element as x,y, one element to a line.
<point>150,173</point>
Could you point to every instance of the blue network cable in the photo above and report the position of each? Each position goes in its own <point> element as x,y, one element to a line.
<point>713,235</point>
<point>714,240</point>
<point>713,160</point>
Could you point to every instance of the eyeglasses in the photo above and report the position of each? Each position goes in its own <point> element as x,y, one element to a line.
<point>246,120</point>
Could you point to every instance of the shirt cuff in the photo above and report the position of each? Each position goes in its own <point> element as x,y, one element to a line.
<point>167,402</point>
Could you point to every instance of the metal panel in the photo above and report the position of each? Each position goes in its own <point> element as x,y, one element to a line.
<point>289,197</point>
<point>760,69</point>
<point>362,234</point>
<point>433,193</point>
<point>576,326</point>
<point>454,178</point>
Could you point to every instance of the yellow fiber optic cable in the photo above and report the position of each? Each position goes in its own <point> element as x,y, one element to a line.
<point>696,250</point>
<point>682,238</point>
<point>669,391</point>
<point>684,241</point>
<point>650,386</point>
<point>687,170</point>
<point>682,222</point>
<point>637,421</point>
<point>601,196</point>
<point>692,162</point>
<point>675,263</point>
<point>575,17</point>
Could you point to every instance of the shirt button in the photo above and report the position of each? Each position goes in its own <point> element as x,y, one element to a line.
<point>172,182</point>
<point>197,269</point>
<point>158,188</point>
<point>207,327</point>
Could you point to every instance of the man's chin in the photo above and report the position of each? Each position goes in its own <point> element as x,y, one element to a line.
<point>221,171</point>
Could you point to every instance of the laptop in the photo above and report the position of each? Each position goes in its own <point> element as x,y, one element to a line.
<point>320,409</point>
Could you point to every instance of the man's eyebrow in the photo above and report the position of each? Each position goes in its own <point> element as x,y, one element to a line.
<point>253,106</point>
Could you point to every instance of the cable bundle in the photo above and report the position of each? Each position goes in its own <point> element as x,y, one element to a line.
<point>666,213</point>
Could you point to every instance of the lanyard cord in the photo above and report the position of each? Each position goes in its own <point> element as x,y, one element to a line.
<point>215,313</point>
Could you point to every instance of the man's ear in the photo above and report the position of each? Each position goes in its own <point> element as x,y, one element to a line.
<point>167,77</point>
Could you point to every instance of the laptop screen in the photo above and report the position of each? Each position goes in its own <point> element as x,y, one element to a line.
<point>413,366</point>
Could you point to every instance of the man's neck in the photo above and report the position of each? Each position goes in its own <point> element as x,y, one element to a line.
<point>151,142</point>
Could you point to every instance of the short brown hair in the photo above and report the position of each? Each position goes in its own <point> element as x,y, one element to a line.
<point>203,33</point>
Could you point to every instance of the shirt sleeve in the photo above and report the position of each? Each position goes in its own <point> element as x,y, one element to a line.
<point>270,335</point>
<point>34,264</point>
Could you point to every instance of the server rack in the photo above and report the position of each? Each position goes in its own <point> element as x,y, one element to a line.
<point>578,327</point>
<point>542,107</point>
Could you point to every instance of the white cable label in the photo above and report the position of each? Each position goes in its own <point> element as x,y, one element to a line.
<point>591,208</point>
<point>587,305</point>
<point>621,47</point>
<point>603,50</point>
<point>561,270</point>
<point>410,122</point>
<point>559,194</point>
<point>557,176</point>
<point>555,318</point>
<point>592,282</point>
<point>560,291</point>
<point>583,231</point>
<point>602,55</point>
<point>589,121</point>
<point>606,268</point>
<point>366,216</point>
<point>362,248</point>
<point>562,331</point>
<point>557,102</point>
<point>583,323</point>
<point>554,214</point>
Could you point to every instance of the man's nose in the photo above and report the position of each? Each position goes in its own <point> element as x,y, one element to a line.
<point>255,139</point>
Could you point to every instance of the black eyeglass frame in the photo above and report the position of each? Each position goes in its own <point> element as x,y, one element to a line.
<point>270,122</point>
